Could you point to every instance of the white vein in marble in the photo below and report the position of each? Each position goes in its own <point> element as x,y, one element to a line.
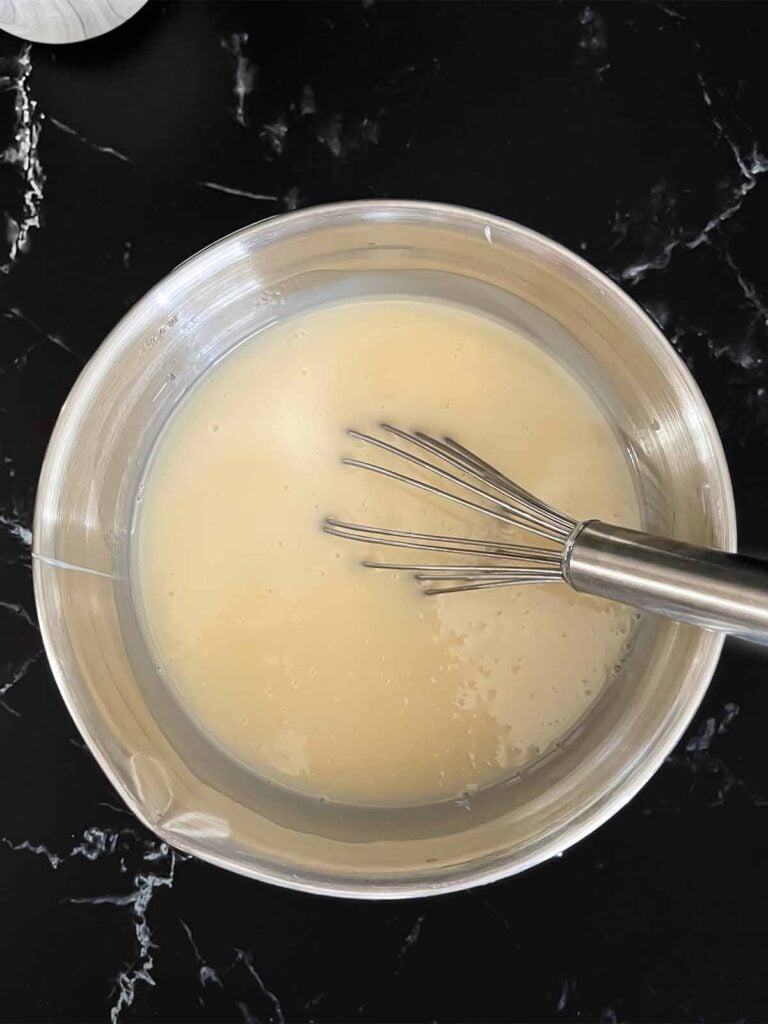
<point>156,868</point>
<point>749,166</point>
<point>696,759</point>
<point>247,960</point>
<point>330,130</point>
<point>230,190</point>
<point>292,198</point>
<point>748,290</point>
<point>275,135</point>
<point>157,871</point>
<point>565,991</point>
<point>226,978</point>
<point>17,673</point>
<point>108,150</point>
<point>340,140</point>
<point>671,13</point>
<point>94,843</point>
<point>22,153</point>
<point>411,938</point>
<point>17,529</point>
<point>245,73</point>
<point>307,103</point>
<point>595,38</point>
<point>206,973</point>
<point>14,313</point>
<point>17,609</point>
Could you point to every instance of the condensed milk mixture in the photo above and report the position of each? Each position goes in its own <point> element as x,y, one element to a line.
<point>327,677</point>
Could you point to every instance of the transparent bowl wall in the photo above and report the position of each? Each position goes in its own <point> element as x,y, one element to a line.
<point>175,779</point>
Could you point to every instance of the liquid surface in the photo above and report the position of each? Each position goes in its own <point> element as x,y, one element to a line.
<point>330,678</point>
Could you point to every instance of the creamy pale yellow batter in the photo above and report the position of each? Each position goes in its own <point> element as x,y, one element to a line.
<point>328,677</point>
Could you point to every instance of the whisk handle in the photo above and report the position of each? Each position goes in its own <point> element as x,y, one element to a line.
<point>702,586</point>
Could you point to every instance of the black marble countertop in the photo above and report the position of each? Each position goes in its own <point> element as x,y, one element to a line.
<point>636,134</point>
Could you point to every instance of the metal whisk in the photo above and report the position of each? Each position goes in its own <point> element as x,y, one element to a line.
<point>702,586</point>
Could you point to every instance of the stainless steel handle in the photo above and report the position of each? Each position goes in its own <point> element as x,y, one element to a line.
<point>708,588</point>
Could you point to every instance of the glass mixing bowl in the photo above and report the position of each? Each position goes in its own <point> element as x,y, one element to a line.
<point>175,778</point>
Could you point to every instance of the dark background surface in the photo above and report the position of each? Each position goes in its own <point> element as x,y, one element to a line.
<point>632,133</point>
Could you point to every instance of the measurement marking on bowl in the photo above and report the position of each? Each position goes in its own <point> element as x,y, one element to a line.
<point>58,564</point>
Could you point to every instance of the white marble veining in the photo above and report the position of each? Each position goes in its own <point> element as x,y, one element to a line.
<point>277,1015</point>
<point>16,674</point>
<point>108,150</point>
<point>712,781</point>
<point>245,74</point>
<point>18,609</point>
<point>13,313</point>
<point>595,37</point>
<point>748,289</point>
<point>410,940</point>
<point>17,529</point>
<point>151,865</point>
<point>94,843</point>
<point>22,153</point>
<point>156,870</point>
<point>207,974</point>
<point>750,164</point>
<point>243,193</point>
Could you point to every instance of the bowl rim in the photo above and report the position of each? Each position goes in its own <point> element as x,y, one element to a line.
<point>709,644</point>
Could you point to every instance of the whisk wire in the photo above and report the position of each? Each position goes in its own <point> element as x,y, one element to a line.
<point>541,521</point>
<point>460,571</point>
<point>510,504</point>
<point>497,479</point>
<point>438,542</point>
<point>464,459</point>
<point>486,584</point>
